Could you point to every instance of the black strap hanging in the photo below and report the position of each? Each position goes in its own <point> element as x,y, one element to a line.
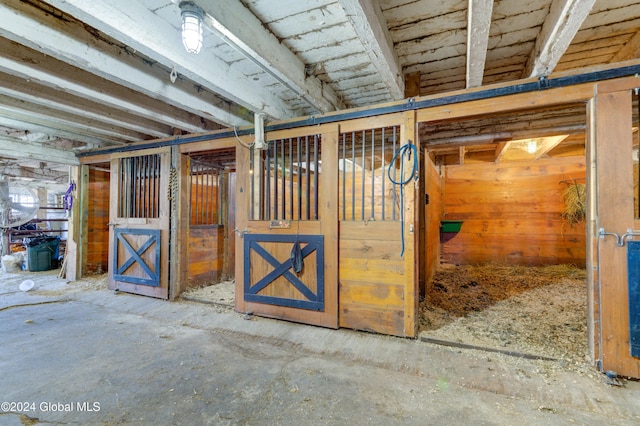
<point>297,262</point>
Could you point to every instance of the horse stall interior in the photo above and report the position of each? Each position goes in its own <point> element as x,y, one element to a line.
<point>512,275</point>
<point>211,242</point>
<point>97,219</point>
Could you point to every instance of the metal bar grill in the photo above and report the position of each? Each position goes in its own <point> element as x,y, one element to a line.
<point>364,190</point>
<point>288,170</point>
<point>207,180</point>
<point>139,183</point>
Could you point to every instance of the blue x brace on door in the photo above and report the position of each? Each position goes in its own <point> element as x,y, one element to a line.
<point>146,240</point>
<point>311,298</point>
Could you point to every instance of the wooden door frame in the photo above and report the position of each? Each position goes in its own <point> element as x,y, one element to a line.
<point>163,223</point>
<point>610,202</point>
<point>327,226</point>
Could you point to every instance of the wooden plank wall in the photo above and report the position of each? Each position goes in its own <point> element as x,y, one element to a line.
<point>98,219</point>
<point>371,277</point>
<point>433,215</point>
<point>211,248</point>
<point>206,255</point>
<point>512,213</point>
<point>369,199</point>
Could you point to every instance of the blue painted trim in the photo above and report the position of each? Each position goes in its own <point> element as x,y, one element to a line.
<point>542,83</point>
<point>633,260</point>
<point>314,243</point>
<point>135,256</point>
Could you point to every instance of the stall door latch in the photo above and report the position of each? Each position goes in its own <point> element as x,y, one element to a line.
<point>620,239</point>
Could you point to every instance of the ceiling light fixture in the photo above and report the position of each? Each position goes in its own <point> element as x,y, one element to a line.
<point>532,146</point>
<point>192,17</point>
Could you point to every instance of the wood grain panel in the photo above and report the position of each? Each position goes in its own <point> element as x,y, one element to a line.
<point>206,255</point>
<point>372,277</point>
<point>612,124</point>
<point>97,220</point>
<point>513,213</point>
<point>433,215</point>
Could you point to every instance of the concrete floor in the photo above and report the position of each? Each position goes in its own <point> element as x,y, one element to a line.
<point>77,354</point>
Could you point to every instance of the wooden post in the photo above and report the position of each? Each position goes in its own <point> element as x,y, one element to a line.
<point>75,252</point>
<point>412,85</point>
<point>411,227</point>
<point>243,191</point>
<point>593,325</point>
<point>179,230</point>
<point>612,123</point>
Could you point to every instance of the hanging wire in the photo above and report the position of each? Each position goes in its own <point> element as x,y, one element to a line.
<point>407,149</point>
<point>248,146</point>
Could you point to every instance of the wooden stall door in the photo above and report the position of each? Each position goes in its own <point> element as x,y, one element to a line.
<point>612,217</point>
<point>287,251</point>
<point>139,223</point>
<point>379,267</point>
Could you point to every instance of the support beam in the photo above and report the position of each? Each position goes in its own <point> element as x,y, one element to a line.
<point>44,175</point>
<point>147,33</point>
<point>48,97</point>
<point>43,69</point>
<point>18,149</point>
<point>369,23</point>
<point>39,114</point>
<point>236,25</point>
<point>560,27</point>
<point>478,28</point>
<point>71,42</point>
<point>412,85</point>
<point>28,127</point>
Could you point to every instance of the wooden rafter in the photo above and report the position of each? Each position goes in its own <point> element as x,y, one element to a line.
<point>237,26</point>
<point>115,76</point>
<point>560,27</point>
<point>19,149</point>
<point>371,27</point>
<point>478,26</point>
<point>161,42</point>
<point>18,88</point>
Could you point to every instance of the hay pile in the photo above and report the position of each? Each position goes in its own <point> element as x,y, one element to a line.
<point>575,203</point>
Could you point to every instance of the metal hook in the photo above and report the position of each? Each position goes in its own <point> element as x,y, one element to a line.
<point>174,74</point>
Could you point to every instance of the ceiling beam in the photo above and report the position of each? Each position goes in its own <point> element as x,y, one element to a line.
<point>19,149</point>
<point>630,50</point>
<point>43,69</point>
<point>238,27</point>
<point>504,136</point>
<point>368,22</point>
<point>79,50</point>
<point>40,174</point>
<point>560,27</point>
<point>39,114</point>
<point>478,28</point>
<point>145,32</point>
<point>47,97</point>
<point>28,127</point>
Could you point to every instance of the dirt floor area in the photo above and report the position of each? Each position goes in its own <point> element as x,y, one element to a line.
<point>533,310</point>
<point>221,293</point>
